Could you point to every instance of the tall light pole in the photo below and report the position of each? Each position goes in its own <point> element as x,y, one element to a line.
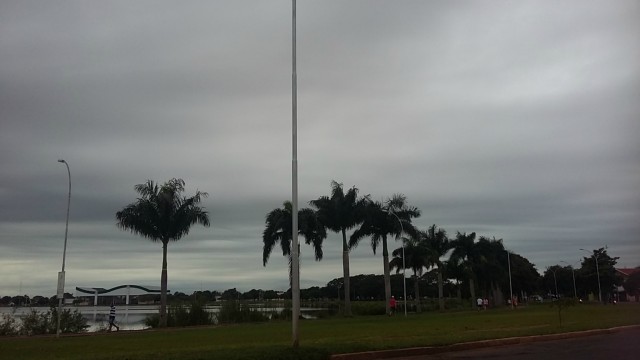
<point>510,286</point>
<point>404,277</point>
<point>64,254</point>
<point>295,266</point>
<point>595,256</point>
<point>573,274</point>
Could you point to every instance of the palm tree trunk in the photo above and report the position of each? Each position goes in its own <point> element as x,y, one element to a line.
<point>345,268</point>
<point>163,286</point>
<point>440,292</point>
<point>387,274</point>
<point>417,292</point>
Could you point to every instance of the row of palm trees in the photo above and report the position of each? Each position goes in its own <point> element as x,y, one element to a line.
<point>483,260</point>
<point>162,214</point>
<point>340,212</point>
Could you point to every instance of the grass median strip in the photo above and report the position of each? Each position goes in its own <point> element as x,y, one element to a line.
<point>319,338</point>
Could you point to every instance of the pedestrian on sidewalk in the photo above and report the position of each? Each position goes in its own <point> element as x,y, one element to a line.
<point>112,317</point>
<point>392,305</point>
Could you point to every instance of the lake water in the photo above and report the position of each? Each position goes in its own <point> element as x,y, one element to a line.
<point>132,317</point>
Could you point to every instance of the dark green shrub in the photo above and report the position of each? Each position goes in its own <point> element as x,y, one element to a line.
<point>182,315</point>
<point>152,320</point>
<point>8,325</point>
<point>177,315</point>
<point>368,308</point>
<point>37,323</point>
<point>235,312</point>
<point>198,314</point>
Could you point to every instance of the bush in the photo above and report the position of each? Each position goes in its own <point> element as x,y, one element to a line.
<point>152,320</point>
<point>181,315</point>
<point>236,312</point>
<point>8,326</point>
<point>37,323</point>
<point>198,314</point>
<point>368,307</point>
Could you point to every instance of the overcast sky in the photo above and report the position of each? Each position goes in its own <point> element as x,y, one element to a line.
<point>513,119</point>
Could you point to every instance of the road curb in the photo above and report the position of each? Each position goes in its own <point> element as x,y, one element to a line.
<point>430,350</point>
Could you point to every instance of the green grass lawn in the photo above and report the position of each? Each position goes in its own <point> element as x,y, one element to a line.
<point>319,338</point>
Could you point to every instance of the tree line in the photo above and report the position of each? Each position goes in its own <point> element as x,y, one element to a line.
<point>162,214</point>
<point>481,263</point>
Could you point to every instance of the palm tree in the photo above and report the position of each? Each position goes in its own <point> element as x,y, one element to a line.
<point>455,271</point>
<point>437,241</point>
<point>339,213</point>
<point>418,257</point>
<point>380,221</point>
<point>465,254</point>
<point>162,214</point>
<point>279,230</point>
<point>491,266</point>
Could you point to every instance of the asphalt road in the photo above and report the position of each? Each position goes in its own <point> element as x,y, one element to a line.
<point>621,345</point>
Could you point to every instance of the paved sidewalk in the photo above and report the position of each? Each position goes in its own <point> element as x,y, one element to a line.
<point>431,350</point>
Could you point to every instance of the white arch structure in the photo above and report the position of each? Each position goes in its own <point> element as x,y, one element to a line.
<point>122,290</point>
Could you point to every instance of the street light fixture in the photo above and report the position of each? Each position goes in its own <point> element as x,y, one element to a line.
<point>404,277</point>
<point>573,274</point>
<point>595,256</point>
<point>64,254</point>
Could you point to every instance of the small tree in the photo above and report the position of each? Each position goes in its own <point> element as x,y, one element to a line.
<point>561,304</point>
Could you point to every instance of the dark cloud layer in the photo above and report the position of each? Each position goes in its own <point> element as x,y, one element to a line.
<point>517,120</point>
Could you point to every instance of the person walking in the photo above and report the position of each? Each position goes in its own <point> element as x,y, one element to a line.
<point>392,305</point>
<point>112,317</point>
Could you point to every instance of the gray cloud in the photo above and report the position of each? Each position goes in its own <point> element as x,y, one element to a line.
<point>514,120</point>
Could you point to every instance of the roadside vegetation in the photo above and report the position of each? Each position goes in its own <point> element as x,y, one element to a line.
<point>41,323</point>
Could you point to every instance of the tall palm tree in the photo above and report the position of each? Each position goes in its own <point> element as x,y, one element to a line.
<point>339,213</point>
<point>437,241</point>
<point>465,254</point>
<point>278,230</point>
<point>491,266</point>
<point>381,221</point>
<point>455,271</point>
<point>162,214</point>
<point>418,257</point>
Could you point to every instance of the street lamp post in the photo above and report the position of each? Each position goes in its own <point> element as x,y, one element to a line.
<point>573,274</point>
<point>595,256</point>
<point>404,277</point>
<point>64,253</point>
<point>295,262</point>
<point>510,286</point>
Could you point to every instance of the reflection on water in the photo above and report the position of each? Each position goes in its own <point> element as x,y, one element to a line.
<point>132,317</point>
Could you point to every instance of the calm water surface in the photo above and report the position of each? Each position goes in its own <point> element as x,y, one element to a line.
<point>129,317</point>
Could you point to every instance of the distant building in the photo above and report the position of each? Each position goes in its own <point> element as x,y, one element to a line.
<point>123,294</point>
<point>624,274</point>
